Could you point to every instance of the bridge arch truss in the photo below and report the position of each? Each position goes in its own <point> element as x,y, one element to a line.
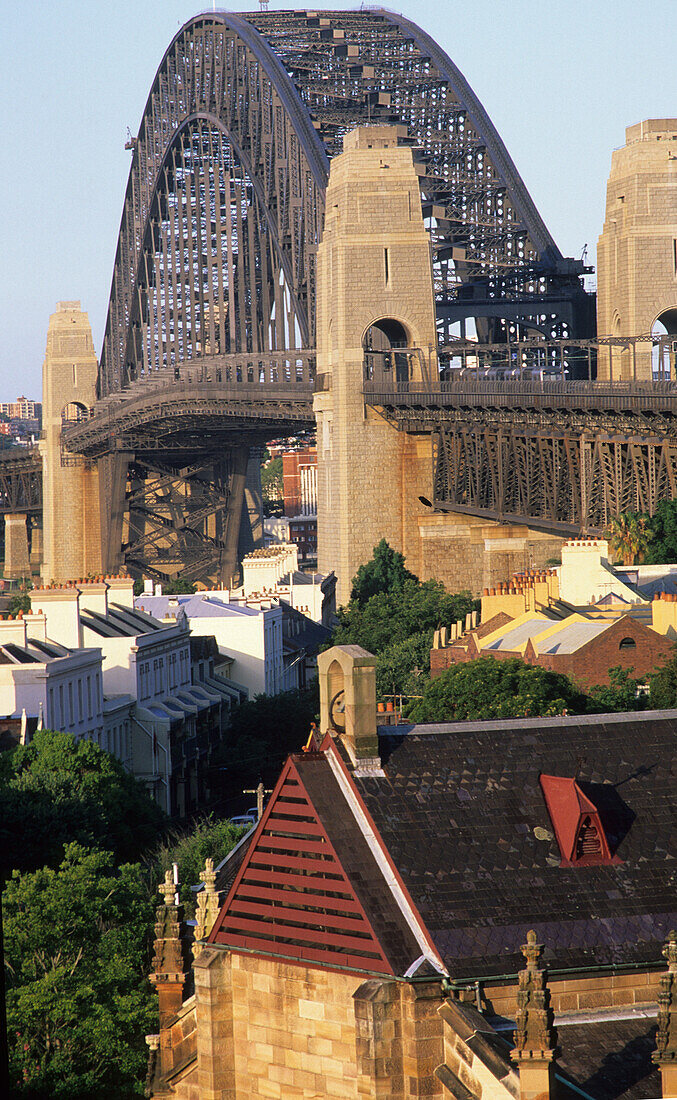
<point>225,199</point>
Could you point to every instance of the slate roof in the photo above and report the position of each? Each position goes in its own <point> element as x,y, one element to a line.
<point>460,810</point>
<point>610,1059</point>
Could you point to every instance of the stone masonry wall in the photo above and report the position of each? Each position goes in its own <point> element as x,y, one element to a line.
<point>267,1028</point>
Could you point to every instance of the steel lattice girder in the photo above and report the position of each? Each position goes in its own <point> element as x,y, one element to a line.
<point>562,480</point>
<point>20,480</point>
<point>224,203</point>
<point>167,512</point>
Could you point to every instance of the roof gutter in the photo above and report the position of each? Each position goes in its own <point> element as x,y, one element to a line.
<point>560,972</point>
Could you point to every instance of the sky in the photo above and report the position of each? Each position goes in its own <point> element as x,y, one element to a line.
<point>560,79</point>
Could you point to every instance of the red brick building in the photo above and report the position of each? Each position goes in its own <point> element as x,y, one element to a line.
<point>299,472</point>
<point>581,649</point>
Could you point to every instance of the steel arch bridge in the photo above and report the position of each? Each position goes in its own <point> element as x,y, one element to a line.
<point>212,306</point>
<point>224,204</point>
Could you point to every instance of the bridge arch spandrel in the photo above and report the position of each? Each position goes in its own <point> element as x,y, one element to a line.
<point>227,169</point>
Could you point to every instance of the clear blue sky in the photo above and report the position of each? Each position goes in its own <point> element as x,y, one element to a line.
<point>561,79</point>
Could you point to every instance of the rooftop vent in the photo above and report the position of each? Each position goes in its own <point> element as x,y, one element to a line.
<point>577,822</point>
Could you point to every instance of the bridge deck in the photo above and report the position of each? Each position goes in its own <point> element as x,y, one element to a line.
<point>620,397</point>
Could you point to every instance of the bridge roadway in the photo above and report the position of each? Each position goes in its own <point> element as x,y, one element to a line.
<point>205,404</point>
<point>563,456</point>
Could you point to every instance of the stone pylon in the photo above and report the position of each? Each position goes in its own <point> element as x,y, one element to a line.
<point>71,517</point>
<point>17,562</point>
<point>535,1037</point>
<point>374,293</point>
<point>665,1054</point>
<point>637,250</point>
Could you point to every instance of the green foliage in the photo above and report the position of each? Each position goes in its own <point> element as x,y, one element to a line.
<point>390,617</point>
<point>488,688</point>
<point>619,695</point>
<point>402,668</point>
<point>271,479</point>
<point>262,733</point>
<point>629,537</point>
<point>212,837</point>
<point>20,602</point>
<point>663,686</point>
<point>663,527</point>
<point>78,1001</point>
<point>176,587</point>
<point>384,574</point>
<point>56,790</point>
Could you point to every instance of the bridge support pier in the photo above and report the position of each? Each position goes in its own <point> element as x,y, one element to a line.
<point>233,515</point>
<point>112,471</point>
<point>71,514</point>
<point>17,563</point>
<point>470,552</point>
<point>374,291</point>
<point>37,548</point>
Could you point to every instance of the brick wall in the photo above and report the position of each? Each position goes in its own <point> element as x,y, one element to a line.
<point>589,665</point>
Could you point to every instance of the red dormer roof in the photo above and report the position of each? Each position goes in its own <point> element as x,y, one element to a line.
<point>577,823</point>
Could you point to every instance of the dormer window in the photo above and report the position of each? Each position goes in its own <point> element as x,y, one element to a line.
<point>577,823</point>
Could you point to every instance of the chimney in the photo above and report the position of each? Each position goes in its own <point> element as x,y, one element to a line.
<point>61,606</point>
<point>347,675</point>
<point>121,591</point>
<point>13,630</point>
<point>94,596</point>
<point>36,625</point>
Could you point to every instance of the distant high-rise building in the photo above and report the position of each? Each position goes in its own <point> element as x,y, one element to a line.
<point>299,471</point>
<point>21,409</point>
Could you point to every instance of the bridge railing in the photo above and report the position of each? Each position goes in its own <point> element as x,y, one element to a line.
<point>491,387</point>
<point>288,367</point>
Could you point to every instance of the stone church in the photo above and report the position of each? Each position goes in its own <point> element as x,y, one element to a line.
<point>471,910</point>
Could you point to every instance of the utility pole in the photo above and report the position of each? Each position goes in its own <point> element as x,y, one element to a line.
<point>260,792</point>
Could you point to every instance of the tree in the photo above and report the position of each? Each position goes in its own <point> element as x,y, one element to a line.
<point>403,668</point>
<point>489,688</point>
<point>663,527</point>
<point>620,694</point>
<point>629,536</point>
<point>663,686</point>
<point>385,573</point>
<point>262,733</point>
<point>272,480</point>
<point>57,790</point>
<point>390,617</point>
<point>78,1000</point>
<point>213,837</point>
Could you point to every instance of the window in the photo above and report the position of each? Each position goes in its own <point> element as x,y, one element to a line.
<point>627,643</point>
